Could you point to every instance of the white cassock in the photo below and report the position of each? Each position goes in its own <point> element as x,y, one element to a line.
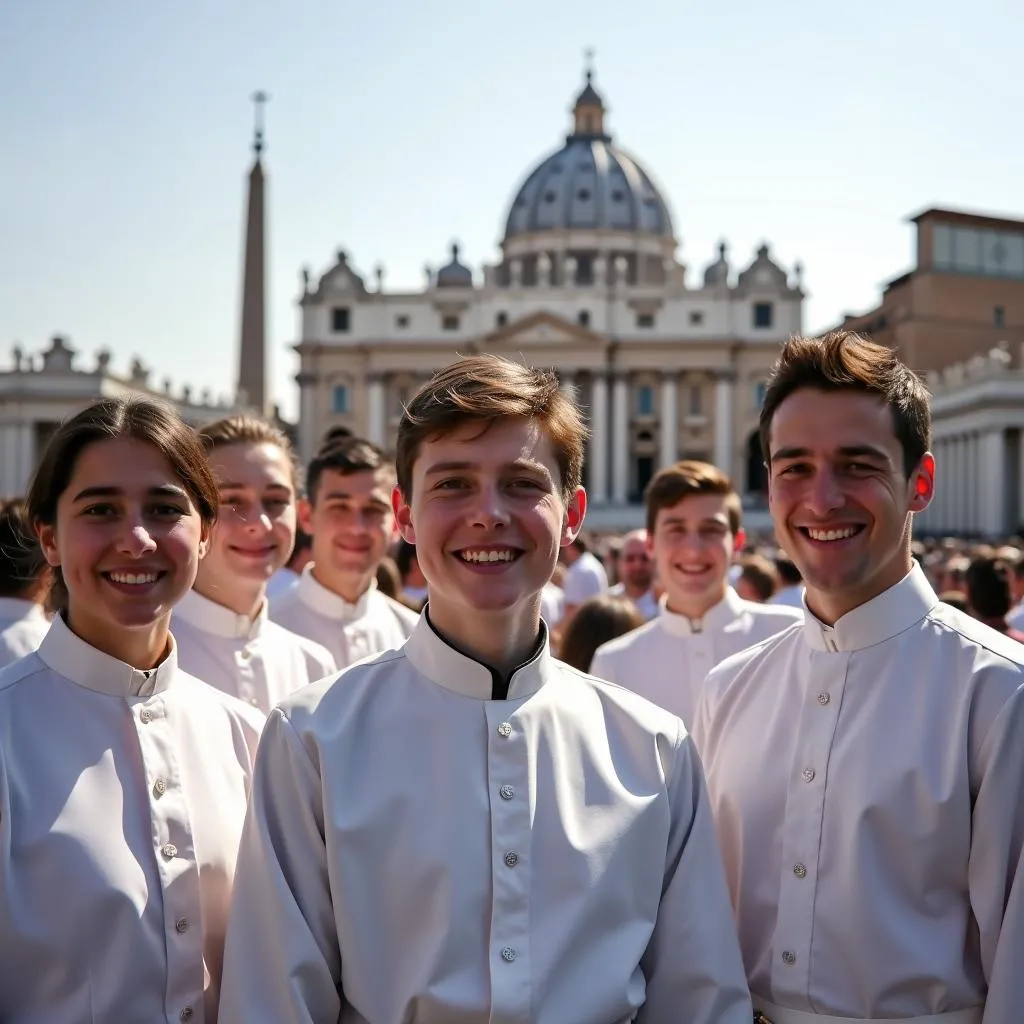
<point>255,660</point>
<point>351,632</point>
<point>668,659</point>
<point>868,788</point>
<point>23,624</point>
<point>122,796</point>
<point>418,852</point>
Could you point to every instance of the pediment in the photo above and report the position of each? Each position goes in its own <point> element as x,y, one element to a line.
<point>542,330</point>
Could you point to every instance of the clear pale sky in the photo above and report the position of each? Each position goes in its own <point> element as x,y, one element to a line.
<point>394,128</point>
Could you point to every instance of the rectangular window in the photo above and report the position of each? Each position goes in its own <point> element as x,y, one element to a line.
<point>763,314</point>
<point>501,319</point>
<point>584,269</point>
<point>760,388</point>
<point>449,323</point>
<point>340,319</point>
<point>942,247</point>
<point>993,253</point>
<point>645,319</point>
<point>1014,255</point>
<point>583,318</point>
<point>402,320</point>
<point>696,318</point>
<point>696,403</point>
<point>967,250</point>
<point>645,400</point>
<point>999,316</point>
<point>339,399</point>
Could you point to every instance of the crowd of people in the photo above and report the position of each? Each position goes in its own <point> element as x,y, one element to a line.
<point>393,740</point>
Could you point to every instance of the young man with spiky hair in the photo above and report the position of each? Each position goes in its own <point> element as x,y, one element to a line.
<point>694,531</point>
<point>347,512</point>
<point>466,829</point>
<point>867,768</point>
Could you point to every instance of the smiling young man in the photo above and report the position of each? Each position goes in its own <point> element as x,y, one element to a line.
<point>693,522</point>
<point>867,769</point>
<point>347,512</point>
<point>467,829</point>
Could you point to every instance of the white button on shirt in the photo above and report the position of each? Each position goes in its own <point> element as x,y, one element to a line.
<point>351,632</point>
<point>23,624</point>
<point>668,659</point>
<point>255,660</point>
<point>868,787</point>
<point>122,795</point>
<point>416,851</point>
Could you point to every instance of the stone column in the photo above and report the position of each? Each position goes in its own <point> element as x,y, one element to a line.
<point>620,439</point>
<point>307,416</point>
<point>724,446</point>
<point>957,483</point>
<point>938,511</point>
<point>669,452</point>
<point>376,424</point>
<point>27,454</point>
<point>567,380</point>
<point>992,484</point>
<point>597,457</point>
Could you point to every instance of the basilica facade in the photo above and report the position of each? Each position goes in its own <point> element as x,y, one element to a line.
<point>589,282</point>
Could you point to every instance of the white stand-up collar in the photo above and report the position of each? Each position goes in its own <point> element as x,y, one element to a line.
<point>717,617</point>
<point>210,617</point>
<point>316,596</point>
<point>877,620</point>
<point>434,657</point>
<point>70,656</point>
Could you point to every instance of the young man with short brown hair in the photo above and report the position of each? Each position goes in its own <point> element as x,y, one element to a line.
<point>867,769</point>
<point>467,829</point>
<point>694,531</point>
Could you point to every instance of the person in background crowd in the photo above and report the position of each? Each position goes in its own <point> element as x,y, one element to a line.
<point>989,594</point>
<point>758,579</point>
<point>598,620</point>
<point>347,512</point>
<point>585,576</point>
<point>867,769</point>
<point>694,522</point>
<point>635,572</point>
<point>389,579</point>
<point>1015,618</point>
<point>791,585</point>
<point>288,575</point>
<point>24,583</point>
<point>955,573</point>
<point>955,599</point>
<point>118,833</point>
<point>221,626</point>
<point>466,829</point>
<point>414,585</point>
<point>552,605</point>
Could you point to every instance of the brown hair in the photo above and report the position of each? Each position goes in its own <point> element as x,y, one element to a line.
<point>139,419</point>
<point>761,574</point>
<point>344,455</point>
<point>670,485</point>
<point>245,428</point>
<point>485,389</point>
<point>989,593</point>
<point>844,361</point>
<point>22,565</point>
<point>596,621</point>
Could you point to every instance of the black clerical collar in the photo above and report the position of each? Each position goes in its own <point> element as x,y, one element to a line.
<point>499,683</point>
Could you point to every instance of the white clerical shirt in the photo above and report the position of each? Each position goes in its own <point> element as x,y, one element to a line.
<point>375,623</point>
<point>416,851</point>
<point>255,660</point>
<point>23,624</point>
<point>868,788</point>
<point>122,795</point>
<point>668,659</point>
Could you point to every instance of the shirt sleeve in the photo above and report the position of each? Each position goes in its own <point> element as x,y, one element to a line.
<point>996,868</point>
<point>693,965</point>
<point>282,962</point>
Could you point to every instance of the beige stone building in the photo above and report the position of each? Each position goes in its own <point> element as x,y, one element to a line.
<point>964,296</point>
<point>589,281</point>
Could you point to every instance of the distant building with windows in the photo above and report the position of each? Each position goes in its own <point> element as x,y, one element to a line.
<point>963,297</point>
<point>588,282</point>
<point>41,390</point>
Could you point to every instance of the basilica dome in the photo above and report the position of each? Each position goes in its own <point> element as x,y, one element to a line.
<point>589,184</point>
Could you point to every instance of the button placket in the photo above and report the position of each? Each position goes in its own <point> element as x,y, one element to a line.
<point>508,770</point>
<point>817,718</point>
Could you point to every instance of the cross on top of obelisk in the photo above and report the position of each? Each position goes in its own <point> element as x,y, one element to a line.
<point>259,99</point>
